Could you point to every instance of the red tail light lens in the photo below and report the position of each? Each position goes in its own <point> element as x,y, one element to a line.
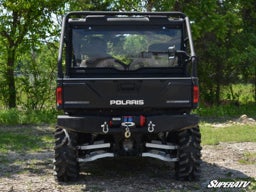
<point>59,96</point>
<point>142,121</point>
<point>195,94</point>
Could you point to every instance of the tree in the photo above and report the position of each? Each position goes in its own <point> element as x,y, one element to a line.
<point>224,36</point>
<point>216,25</point>
<point>143,5</point>
<point>247,41</point>
<point>20,20</point>
<point>37,77</point>
<point>90,5</point>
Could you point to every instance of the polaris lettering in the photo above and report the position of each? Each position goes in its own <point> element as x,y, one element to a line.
<point>126,102</point>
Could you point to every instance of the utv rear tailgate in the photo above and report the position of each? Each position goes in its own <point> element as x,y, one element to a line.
<point>96,93</point>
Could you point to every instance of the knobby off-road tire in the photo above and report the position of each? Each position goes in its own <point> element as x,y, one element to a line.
<point>189,153</point>
<point>65,166</point>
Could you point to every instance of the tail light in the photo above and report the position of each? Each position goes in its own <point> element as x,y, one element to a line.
<point>142,121</point>
<point>195,94</point>
<point>59,96</point>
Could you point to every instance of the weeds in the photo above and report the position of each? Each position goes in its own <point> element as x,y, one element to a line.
<point>227,111</point>
<point>248,158</point>
<point>18,117</point>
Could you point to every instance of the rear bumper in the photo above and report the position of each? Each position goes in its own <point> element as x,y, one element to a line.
<point>95,124</point>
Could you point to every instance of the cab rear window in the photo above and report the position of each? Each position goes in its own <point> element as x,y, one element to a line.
<point>125,49</point>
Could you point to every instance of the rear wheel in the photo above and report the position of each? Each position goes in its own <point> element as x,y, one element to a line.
<point>189,154</point>
<point>65,166</point>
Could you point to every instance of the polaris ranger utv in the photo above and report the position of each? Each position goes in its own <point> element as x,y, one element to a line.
<point>127,83</point>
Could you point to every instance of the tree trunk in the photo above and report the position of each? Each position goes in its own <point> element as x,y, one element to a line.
<point>218,82</point>
<point>10,78</point>
<point>150,5</point>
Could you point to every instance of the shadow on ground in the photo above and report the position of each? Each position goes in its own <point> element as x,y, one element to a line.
<point>137,174</point>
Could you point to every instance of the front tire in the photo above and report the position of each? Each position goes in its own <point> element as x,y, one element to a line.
<point>65,166</point>
<point>189,154</point>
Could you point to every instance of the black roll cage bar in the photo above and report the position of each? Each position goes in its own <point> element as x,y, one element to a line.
<point>83,14</point>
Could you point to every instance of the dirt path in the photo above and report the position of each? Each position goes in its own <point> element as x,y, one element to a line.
<point>33,172</point>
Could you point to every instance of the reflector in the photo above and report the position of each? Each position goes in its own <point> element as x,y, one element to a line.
<point>59,96</point>
<point>195,94</point>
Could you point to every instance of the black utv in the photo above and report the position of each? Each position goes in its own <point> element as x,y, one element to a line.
<point>127,84</point>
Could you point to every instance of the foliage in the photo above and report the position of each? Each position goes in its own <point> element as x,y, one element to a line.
<point>226,110</point>
<point>23,22</point>
<point>90,5</point>
<point>221,41</point>
<point>239,94</point>
<point>36,77</point>
<point>143,5</point>
<point>237,99</point>
<point>18,117</point>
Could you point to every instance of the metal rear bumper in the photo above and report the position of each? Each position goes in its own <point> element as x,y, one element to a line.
<point>157,123</point>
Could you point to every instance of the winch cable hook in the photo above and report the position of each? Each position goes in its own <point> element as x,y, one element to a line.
<point>127,125</point>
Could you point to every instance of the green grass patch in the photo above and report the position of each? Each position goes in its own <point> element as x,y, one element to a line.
<point>227,111</point>
<point>18,117</point>
<point>25,139</point>
<point>18,142</point>
<point>212,135</point>
<point>248,158</point>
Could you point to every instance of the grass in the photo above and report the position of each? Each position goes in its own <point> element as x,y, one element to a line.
<point>236,99</point>
<point>248,158</point>
<point>25,139</point>
<point>19,117</point>
<point>232,133</point>
<point>226,111</point>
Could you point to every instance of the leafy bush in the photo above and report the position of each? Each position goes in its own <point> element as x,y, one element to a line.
<point>9,117</point>
<point>36,78</point>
